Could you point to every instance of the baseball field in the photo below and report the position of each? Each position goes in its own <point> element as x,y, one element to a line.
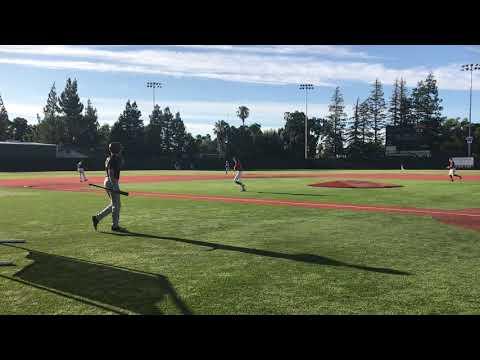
<point>197,245</point>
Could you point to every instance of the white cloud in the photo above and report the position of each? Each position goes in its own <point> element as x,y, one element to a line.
<point>326,50</point>
<point>251,64</point>
<point>475,49</point>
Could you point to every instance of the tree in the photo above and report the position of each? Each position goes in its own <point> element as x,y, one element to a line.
<point>71,109</point>
<point>167,131</point>
<point>51,108</point>
<point>405,116</point>
<point>270,144</point>
<point>178,135</point>
<point>89,134</point>
<point>335,125</point>
<point>221,130</point>
<point>4,122</point>
<point>294,133</point>
<point>376,105</point>
<point>129,130</point>
<point>394,108</point>
<point>243,112</point>
<point>20,130</point>
<point>365,122</point>
<point>103,136</point>
<point>154,131</point>
<point>192,146</point>
<point>354,133</point>
<point>51,129</point>
<point>427,109</point>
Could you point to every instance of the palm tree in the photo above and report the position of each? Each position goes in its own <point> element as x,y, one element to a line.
<point>243,112</point>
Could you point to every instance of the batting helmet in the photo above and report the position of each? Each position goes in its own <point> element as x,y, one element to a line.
<point>115,147</point>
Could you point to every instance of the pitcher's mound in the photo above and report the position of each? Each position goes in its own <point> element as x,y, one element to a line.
<point>354,184</point>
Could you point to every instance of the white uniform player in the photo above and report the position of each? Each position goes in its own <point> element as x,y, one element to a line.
<point>452,169</point>
<point>81,171</point>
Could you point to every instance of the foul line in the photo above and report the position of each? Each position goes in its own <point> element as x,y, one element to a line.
<point>308,204</point>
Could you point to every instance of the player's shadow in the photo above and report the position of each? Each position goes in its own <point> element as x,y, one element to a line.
<point>101,285</point>
<point>306,258</point>
<point>285,193</point>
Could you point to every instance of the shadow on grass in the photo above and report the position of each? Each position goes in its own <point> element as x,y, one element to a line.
<point>306,258</point>
<point>284,193</point>
<point>98,284</point>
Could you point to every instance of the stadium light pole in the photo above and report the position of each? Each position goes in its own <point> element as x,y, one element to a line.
<point>306,87</point>
<point>154,85</point>
<point>471,68</point>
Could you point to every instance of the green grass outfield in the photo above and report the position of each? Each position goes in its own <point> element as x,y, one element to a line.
<point>195,257</point>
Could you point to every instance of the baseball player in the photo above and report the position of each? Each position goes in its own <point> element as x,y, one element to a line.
<point>113,163</point>
<point>237,167</point>
<point>227,167</point>
<point>452,169</point>
<point>81,171</point>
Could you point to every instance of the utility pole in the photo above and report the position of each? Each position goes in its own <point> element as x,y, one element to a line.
<point>306,87</point>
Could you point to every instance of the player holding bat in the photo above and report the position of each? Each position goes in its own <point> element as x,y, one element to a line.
<point>113,163</point>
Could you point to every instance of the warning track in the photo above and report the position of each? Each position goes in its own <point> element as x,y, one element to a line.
<point>467,218</point>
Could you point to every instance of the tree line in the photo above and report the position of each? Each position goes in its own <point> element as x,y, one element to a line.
<point>65,120</point>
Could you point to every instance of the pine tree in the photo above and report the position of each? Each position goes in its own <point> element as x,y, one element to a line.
<point>154,131</point>
<point>376,104</point>
<point>335,125</point>
<point>51,129</point>
<point>354,132</point>
<point>426,109</point>
<point>167,131</point>
<point>71,108</point>
<point>405,117</point>
<point>129,129</point>
<point>89,133</point>
<point>103,136</point>
<point>394,108</point>
<point>51,108</point>
<point>4,122</point>
<point>365,122</point>
<point>178,134</point>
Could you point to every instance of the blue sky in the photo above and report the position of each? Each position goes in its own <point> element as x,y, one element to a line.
<point>208,83</point>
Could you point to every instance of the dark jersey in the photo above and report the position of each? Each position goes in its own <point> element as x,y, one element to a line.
<point>451,164</point>
<point>113,163</point>
<point>237,166</point>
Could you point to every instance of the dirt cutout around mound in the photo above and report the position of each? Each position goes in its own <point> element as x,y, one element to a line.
<point>355,184</point>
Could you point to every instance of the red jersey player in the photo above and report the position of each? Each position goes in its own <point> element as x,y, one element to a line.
<point>237,167</point>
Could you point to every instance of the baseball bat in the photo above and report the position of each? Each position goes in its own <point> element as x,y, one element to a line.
<point>111,190</point>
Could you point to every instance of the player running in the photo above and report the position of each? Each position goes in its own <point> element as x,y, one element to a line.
<point>237,167</point>
<point>81,171</point>
<point>227,167</point>
<point>113,164</point>
<point>452,169</point>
